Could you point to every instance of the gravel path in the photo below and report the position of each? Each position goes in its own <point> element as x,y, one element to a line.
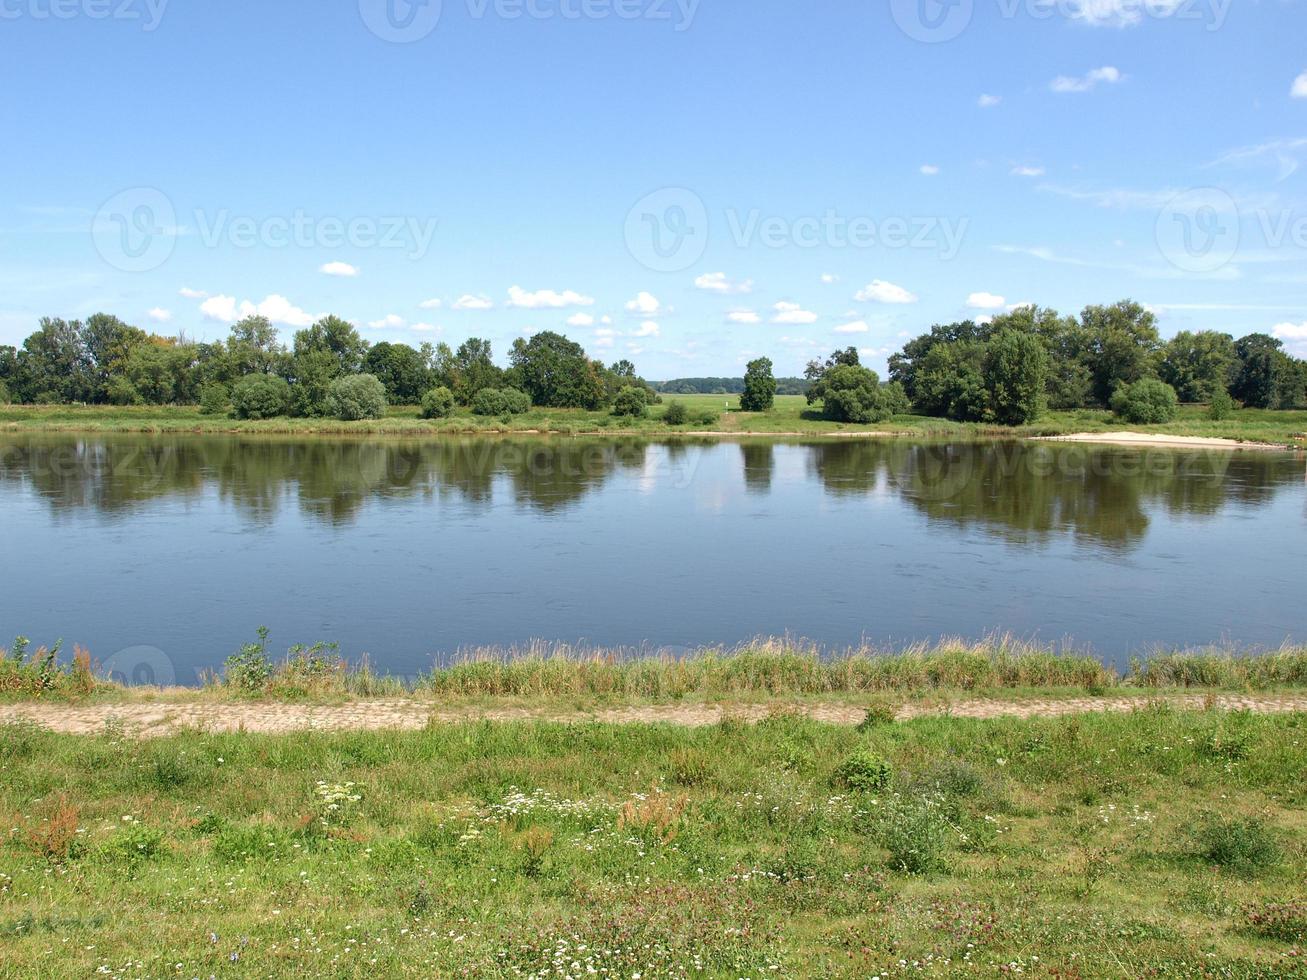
<point>163,718</point>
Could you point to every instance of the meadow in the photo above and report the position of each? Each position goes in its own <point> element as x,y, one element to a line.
<point>1150,843</point>
<point>707,413</point>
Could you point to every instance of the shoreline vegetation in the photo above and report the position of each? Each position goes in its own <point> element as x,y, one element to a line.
<point>1000,666</point>
<point>791,417</point>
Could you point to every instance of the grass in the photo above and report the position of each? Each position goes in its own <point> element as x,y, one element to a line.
<point>792,415</point>
<point>1092,846</point>
<point>763,669</point>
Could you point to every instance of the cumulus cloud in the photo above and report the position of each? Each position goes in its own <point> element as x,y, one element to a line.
<point>341,269</point>
<point>390,321</point>
<point>431,304</point>
<point>647,329</point>
<point>1117,13</point>
<point>580,320</point>
<point>989,101</point>
<point>929,169</point>
<point>1294,336</point>
<point>716,282</point>
<point>278,310</point>
<point>792,313</point>
<point>829,278</point>
<point>857,326</point>
<point>743,316</point>
<point>189,293</point>
<point>985,301</point>
<point>646,304</point>
<point>1065,84</point>
<point>546,299</point>
<point>1027,171</point>
<point>1299,90</point>
<point>470,302</point>
<point>426,328</point>
<point>880,291</point>
<point>160,315</point>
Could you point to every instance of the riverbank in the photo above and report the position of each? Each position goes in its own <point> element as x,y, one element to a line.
<point>1158,841</point>
<point>718,417</point>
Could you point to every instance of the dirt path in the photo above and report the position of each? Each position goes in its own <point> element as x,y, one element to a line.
<point>165,718</point>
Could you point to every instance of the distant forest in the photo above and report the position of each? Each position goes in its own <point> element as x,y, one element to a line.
<point>725,386</point>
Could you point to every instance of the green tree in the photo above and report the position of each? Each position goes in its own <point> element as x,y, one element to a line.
<point>311,373</point>
<point>759,393</point>
<point>438,403</point>
<point>1148,401</point>
<point>631,403</point>
<point>356,397</point>
<point>55,365</point>
<point>851,393</point>
<point>336,337</point>
<point>470,370</point>
<point>500,401</point>
<point>1265,377</point>
<point>260,396</point>
<point>1197,365</point>
<point>556,372</point>
<point>1122,344</point>
<point>1016,371</point>
<point>404,372</point>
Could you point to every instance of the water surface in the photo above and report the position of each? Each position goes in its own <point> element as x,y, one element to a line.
<point>413,550</point>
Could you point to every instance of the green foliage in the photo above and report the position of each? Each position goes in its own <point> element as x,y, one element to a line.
<point>5,397</point>
<point>500,401</point>
<point>759,393</point>
<point>1016,372</point>
<point>1198,365</point>
<point>260,396</point>
<point>863,772</point>
<point>438,403</point>
<point>404,372</point>
<point>706,417</point>
<point>916,833</point>
<point>215,399</point>
<point>850,393</point>
<point>356,397</point>
<point>1221,406</point>
<point>556,373</point>
<point>1243,846</point>
<point>676,414</point>
<point>630,403</point>
<point>1284,922</point>
<point>248,669</point>
<point>1146,402</point>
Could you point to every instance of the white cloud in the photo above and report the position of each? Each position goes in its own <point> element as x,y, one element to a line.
<point>604,342</point>
<point>989,101</point>
<point>580,320</point>
<point>546,298</point>
<point>647,329</point>
<point>880,291</point>
<point>605,332</point>
<point>470,302</point>
<point>160,315</point>
<point>342,269</point>
<point>743,316</point>
<point>1027,171</point>
<point>1294,336</point>
<point>716,282</point>
<point>1117,13</point>
<point>646,304</point>
<point>829,278</point>
<point>189,293</point>
<point>857,326</point>
<point>929,169</point>
<point>1088,82</point>
<point>278,309</point>
<point>431,304</point>
<point>792,313</point>
<point>984,321</point>
<point>391,321</point>
<point>426,328</point>
<point>985,301</point>
<point>1299,90</point>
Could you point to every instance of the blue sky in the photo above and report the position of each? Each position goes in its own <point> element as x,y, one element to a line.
<point>689,183</point>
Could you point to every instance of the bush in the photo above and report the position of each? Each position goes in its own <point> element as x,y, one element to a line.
<point>630,403</point>
<point>1146,402</point>
<point>248,669</point>
<point>438,403</point>
<point>215,399</point>
<point>850,393</point>
<point>1241,846</point>
<point>4,394</point>
<point>356,397</point>
<point>260,396</point>
<point>915,832</point>
<point>676,414</point>
<point>1221,406</point>
<point>863,772</point>
<point>500,401</point>
<point>706,417</point>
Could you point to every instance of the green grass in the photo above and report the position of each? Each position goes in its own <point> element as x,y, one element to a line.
<point>792,415</point>
<point>763,669</point>
<point>1128,845</point>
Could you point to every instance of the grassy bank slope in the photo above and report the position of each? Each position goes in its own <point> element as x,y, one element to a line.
<point>1151,843</point>
<point>791,415</point>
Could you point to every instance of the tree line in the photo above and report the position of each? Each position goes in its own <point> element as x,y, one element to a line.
<point>328,370</point>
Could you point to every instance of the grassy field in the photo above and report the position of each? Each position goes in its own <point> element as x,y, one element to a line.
<point>791,415</point>
<point>1152,843</point>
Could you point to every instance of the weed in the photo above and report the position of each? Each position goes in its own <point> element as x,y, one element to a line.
<point>863,772</point>
<point>1244,846</point>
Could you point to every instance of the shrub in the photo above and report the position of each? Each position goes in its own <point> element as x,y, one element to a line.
<point>438,403</point>
<point>55,837</point>
<point>706,417</point>
<point>1221,406</point>
<point>248,669</point>
<point>4,394</point>
<point>863,772</point>
<point>879,713</point>
<point>630,403</point>
<point>356,397</point>
<point>260,396</point>
<point>676,414</point>
<point>915,832</point>
<point>1242,846</point>
<point>500,401</point>
<point>850,393</point>
<point>655,818</point>
<point>1146,402</point>
<point>215,399</point>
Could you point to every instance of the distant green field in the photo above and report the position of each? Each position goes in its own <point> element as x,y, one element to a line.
<point>708,413</point>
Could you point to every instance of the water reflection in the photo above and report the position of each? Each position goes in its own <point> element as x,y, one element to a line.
<point>1020,491</point>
